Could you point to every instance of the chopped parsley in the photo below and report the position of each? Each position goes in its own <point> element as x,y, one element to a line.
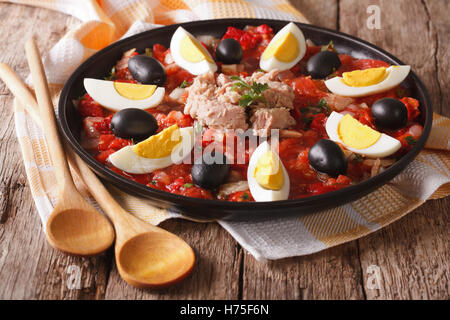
<point>410,140</point>
<point>245,196</point>
<point>358,158</point>
<point>307,121</point>
<point>188,185</point>
<point>154,182</point>
<point>252,93</point>
<point>321,107</point>
<point>112,74</point>
<point>184,84</point>
<point>329,46</point>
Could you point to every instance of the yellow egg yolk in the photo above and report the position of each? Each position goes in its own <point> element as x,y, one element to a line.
<point>284,49</point>
<point>355,134</point>
<point>134,91</point>
<point>160,145</point>
<point>364,78</point>
<point>268,171</point>
<point>193,51</point>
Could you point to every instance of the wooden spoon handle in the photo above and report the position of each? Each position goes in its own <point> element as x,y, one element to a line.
<point>20,91</point>
<point>47,115</point>
<point>126,225</point>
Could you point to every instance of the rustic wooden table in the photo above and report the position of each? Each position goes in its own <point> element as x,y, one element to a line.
<point>411,255</point>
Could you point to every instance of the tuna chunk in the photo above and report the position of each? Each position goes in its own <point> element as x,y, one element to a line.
<point>279,94</point>
<point>215,106</point>
<point>215,103</point>
<point>204,85</point>
<point>264,119</point>
<point>216,114</point>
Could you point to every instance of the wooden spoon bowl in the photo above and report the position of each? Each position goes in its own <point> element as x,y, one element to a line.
<point>68,231</point>
<point>157,258</point>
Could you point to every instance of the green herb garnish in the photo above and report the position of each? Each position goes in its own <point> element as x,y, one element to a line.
<point>184,84</point>
<point>329,46</point>
<point>410,140</point>
<point>307,121</point>
<point>321,107</point>
<point>187,185</point>
<point>245,196</point>
<point>252,93</point>
<point>112,74</point>
<point>154,182</point>
<point>358,158</point>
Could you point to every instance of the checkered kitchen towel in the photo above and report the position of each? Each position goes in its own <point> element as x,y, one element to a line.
<point>105,21</point>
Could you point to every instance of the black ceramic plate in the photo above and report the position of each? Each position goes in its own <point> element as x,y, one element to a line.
<point>100,64</point>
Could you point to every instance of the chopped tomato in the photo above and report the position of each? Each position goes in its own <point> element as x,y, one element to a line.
<point>103,155</point>
<point>330,185</point>
<point>413,108</point>
<point>307,91</point>
<point>104,141</point>
<point>87,107</point>
<point>104,126</point>
<point>160,52</point>
<point>241,196</point>
<point>109,141</point>
<point>318,123</point>
<point>174,117</point>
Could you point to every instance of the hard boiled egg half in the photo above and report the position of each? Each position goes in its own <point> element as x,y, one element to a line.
<point>190,54</point>
<point>159,151</point>
<point>360,138</point>
<point>267,178</point>
<point>116,95</point>
<point>362,83</point>
<point>286,48</point>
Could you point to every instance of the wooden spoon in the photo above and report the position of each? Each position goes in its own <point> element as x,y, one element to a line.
<point>74,225</point>
<point>146,256</point>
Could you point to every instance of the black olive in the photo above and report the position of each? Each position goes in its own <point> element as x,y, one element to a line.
<point>389,113</point>
<point>229,51</point>
<point>133,124</point>
<point>327,157</point>
<point>211,172</point>
<point>322,64</point>
<point>147,70</point>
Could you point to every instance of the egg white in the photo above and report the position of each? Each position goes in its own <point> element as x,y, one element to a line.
<point>396,75</point>
<point>103,92</point>
<point>196,68</point>
<point>259,193</point>
<point>385,146</point>
<point>273,63</point>
<point>127,160</point>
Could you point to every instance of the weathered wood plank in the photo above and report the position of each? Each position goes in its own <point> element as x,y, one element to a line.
<point>437,12</point>
<point>330,274</point>
<point>29,268</point>
<point>411,254</point>
<point>319,12</point>
<point>216,271</point>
